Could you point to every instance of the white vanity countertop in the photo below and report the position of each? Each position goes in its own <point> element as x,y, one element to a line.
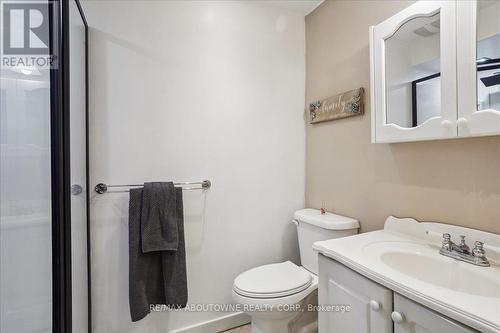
<point>464,292</point>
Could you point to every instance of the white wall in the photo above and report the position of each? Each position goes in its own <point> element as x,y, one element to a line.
<point>191,91</point>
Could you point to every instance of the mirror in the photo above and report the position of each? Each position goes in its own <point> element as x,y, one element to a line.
<point>412,71</point>
<point>488,55</point>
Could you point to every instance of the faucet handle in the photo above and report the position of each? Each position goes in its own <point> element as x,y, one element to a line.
<point>446,239</point>
<point>478,250</point>
<point>447,244</point>
<point>480,255</point>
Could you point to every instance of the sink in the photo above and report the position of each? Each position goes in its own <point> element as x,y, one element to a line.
<point>404,257</point>
<point>443,272</point>
<point>424,263</point>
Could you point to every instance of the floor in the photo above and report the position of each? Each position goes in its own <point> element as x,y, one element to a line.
<point>241,329</point>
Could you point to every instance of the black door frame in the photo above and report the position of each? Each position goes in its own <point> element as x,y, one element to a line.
<point>60,167</point>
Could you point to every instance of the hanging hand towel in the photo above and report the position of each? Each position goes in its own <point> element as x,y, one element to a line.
<point>157,258</point>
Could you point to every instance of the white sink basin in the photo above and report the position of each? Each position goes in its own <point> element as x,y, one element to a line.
<point>424,263</point>
<point>443,272</point>
<point>404,257</point>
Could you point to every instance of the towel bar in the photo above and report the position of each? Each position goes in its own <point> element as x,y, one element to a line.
<point>102,188</point>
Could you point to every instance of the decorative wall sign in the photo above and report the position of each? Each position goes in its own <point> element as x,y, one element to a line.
<point>348,104</point>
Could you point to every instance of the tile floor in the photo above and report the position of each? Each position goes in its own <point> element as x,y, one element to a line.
<point>241,329</point>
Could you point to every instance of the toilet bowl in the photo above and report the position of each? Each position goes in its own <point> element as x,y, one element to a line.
<point>275,294</point>
<point>282,297</point>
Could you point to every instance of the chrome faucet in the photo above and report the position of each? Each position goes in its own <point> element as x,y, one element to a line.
<point>462,251</point>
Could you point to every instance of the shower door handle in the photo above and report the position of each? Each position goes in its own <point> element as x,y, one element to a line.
<point>76,189</point>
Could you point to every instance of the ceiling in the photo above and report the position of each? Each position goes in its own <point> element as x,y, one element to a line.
<point>302,6</point>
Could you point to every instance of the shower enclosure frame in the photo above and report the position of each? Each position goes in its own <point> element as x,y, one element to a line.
<point>60,168</point>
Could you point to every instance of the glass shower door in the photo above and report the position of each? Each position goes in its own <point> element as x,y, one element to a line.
<point>25,201</point>
<point>43,171</point>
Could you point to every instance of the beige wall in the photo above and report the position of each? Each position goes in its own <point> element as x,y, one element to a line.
<point>451,181</point>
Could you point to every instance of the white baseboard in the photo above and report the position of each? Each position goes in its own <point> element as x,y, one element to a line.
<point>217,325</point>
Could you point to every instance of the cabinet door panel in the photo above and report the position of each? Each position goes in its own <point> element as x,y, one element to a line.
<point>478,57</point>
<point>414,74</point>
<point>419,319</point>
<point>342,287</point>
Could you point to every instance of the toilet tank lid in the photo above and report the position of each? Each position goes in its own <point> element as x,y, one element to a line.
<point>327,221</point>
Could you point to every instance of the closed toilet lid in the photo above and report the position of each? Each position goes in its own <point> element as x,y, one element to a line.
<point>274,280</point>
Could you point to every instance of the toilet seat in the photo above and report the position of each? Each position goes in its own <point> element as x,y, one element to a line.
<point>273,281</point>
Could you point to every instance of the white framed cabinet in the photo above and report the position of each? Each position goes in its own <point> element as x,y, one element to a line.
<point>434,72</point>
<point>351,303</point>
<point>478,57</point>
<point>411,317</point>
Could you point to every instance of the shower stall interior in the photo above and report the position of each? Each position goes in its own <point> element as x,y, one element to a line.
<point>44,240</point>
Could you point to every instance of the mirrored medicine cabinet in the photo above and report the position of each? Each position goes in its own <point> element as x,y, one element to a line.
<point>435,72</point>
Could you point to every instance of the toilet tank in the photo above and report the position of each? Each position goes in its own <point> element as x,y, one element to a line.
<point>312,226</point>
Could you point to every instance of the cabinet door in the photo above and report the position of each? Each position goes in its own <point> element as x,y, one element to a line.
<point>413,69</point>
<point>478,57</point>
<point>351,303</point>
<point>412,317</point>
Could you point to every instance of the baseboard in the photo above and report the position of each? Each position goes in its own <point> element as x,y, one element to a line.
<point>217,325</point>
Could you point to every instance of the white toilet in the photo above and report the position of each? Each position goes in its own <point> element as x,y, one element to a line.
<point>274,295</point>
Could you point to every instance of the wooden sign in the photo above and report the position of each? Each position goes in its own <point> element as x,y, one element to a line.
<point>348,104</point>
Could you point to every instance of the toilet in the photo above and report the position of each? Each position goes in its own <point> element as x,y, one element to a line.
<point>274,295</point>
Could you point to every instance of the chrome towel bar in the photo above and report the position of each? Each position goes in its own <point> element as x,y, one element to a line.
<point>102,188</point>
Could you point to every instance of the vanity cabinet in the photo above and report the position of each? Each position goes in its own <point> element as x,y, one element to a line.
<point>411,317</point>
<point>351,303</point>
<point>435,72</point>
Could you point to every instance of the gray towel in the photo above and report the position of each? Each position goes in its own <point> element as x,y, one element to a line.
<point>159,217</point>
<point>155,277</point>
